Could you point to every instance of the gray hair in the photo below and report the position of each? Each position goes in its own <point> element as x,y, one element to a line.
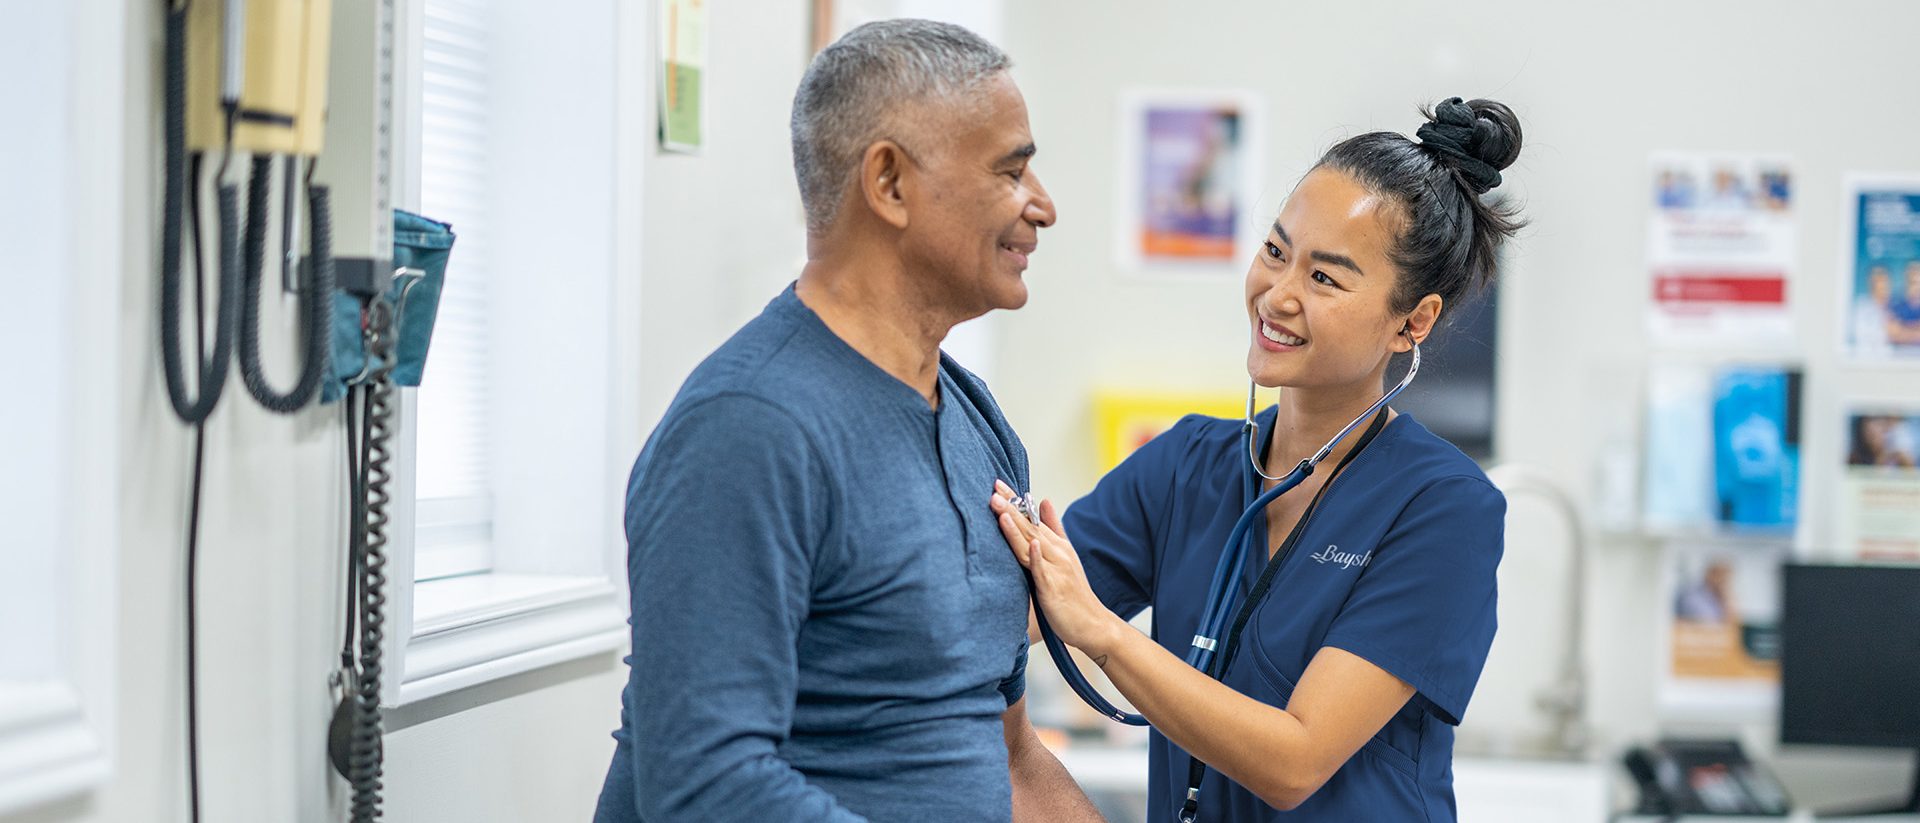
<point>852,94</point>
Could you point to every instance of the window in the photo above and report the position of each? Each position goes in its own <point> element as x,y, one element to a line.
<point>453,489</point>
<point>510,552</point>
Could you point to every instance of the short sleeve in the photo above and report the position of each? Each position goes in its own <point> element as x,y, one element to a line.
<point>1423,608</point>
<point>1118,528</point>
<point>1014,686</point>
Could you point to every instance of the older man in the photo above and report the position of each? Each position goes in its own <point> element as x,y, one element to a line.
<point>827,624</point>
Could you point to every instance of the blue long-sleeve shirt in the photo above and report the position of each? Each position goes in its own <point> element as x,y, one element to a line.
<point>827,624</point>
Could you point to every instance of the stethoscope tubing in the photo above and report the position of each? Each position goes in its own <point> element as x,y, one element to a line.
<point>1222,589</point>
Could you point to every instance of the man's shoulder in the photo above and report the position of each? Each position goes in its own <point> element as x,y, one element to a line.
<point>775,356</point>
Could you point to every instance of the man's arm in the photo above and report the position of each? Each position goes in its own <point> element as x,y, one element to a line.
<point>1043,792</point>
<point>723,520</point>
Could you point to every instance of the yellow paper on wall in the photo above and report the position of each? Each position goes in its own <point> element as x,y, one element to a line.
<point>1125,421</point>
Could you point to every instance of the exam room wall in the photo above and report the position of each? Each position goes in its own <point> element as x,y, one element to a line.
<point>1598,89</point>
<point>532,747</point>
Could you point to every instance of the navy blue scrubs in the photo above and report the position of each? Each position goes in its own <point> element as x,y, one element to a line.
<point>1396,566</point>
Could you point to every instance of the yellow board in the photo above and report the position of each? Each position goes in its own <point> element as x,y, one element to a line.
<point>283,90</point>
<point>1125,421</point>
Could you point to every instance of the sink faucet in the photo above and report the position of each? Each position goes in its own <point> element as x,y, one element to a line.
<point>1564,700</point>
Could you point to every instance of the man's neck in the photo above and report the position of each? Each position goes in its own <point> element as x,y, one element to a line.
<point>868,306</point>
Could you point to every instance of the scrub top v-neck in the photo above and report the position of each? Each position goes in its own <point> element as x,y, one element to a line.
<point>1396,566</point>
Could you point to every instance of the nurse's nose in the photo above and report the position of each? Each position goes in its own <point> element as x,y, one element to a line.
<point>1278,301</point>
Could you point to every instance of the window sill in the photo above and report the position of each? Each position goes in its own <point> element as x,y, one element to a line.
<point>473,629</point>
<point>47,749</point>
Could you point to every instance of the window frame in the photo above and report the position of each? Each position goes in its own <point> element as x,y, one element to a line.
<point>538,603</point>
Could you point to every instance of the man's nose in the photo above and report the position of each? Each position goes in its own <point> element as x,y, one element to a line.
<point>1039,210</point>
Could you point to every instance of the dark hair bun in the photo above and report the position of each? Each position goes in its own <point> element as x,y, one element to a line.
<point>1477,138</point>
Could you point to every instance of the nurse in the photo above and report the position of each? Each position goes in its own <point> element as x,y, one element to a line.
<point>1363,627</point>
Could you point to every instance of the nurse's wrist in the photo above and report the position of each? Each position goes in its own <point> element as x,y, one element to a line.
<point>1111,633</point>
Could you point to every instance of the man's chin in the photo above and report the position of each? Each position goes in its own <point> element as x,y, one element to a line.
<point>1013,298</point>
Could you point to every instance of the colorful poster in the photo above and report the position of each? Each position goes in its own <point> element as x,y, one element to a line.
<point>1756,461</point>
<point>1879,513</point>
<point>1881,281</point>
<point>1188,170</point>
<point>1723,618</point>
<point>1720,251</point>
<point>1723,449</point>
<point>683,65</point>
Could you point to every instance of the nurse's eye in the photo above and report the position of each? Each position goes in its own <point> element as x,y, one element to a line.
<point>1273,251</point>
<point>1322,278</point>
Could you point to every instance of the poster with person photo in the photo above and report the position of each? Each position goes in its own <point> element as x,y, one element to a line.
<point>1881,269</point>
<point>1722,615</point>
<point>1721,248</point>
<point>1189,163</point>
<point>1879,514</point>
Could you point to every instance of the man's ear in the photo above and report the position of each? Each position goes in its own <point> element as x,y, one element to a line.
<point>1420,323</point>
<point>883,169</point>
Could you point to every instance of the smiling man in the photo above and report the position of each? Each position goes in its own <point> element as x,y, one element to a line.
<point>826,622</point>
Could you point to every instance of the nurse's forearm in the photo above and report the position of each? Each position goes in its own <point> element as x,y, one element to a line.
<point>1260,747</point>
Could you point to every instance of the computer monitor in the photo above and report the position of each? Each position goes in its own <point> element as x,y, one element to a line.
<point>1850,657</point>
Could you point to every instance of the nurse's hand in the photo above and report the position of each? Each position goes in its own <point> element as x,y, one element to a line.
<point>1059,582</point>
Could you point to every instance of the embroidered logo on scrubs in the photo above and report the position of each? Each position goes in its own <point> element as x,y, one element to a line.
<point>1345,560</point>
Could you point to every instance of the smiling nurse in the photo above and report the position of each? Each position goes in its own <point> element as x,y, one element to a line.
<point>1363,627</point>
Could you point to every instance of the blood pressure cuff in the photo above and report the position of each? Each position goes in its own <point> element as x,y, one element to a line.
<point>421,247</point>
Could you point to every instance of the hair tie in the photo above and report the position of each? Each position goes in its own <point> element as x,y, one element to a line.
<point>1455,133</point>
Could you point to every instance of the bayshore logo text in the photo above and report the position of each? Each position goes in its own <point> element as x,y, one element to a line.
<point>1345,560</point>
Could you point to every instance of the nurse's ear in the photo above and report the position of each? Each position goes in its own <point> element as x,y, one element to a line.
<point>1418,324</point>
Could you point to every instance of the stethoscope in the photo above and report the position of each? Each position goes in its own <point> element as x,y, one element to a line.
<point>1224,588</point>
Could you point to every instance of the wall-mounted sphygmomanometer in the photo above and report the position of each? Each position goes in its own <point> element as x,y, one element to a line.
<point>245,101</point>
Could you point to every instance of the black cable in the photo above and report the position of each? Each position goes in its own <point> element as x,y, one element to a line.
<point>213,369</point>
<point>174,197</point>
<point>365,751</point>
<point>316,297</point>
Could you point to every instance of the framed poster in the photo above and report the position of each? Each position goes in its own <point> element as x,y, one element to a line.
<point>1880,269</point>
<point>1189,171</point>
<point>1878,518</point>
<point>1722,628</point>
<point>683,65</point>
<point>1721,246</point>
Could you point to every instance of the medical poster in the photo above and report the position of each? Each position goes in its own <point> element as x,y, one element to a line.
<point>1879,514</point>
<point>1723,449</point>
<point>1125,421</point>
<point>1720,251</point>
<point>1880,278</point>
<point>1756,441</point>
<point>683,64</point>
<point>1723,624</point>
<point>1188,174</point>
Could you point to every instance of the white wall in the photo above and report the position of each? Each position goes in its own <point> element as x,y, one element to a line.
<point>533,747</point>
<point>1598,89</point>
<point>723,229</point>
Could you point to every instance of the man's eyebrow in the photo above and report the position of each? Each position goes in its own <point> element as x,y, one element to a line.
<point>1025,152</point>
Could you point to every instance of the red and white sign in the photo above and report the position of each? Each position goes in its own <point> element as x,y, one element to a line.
<point>1720,251</point>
